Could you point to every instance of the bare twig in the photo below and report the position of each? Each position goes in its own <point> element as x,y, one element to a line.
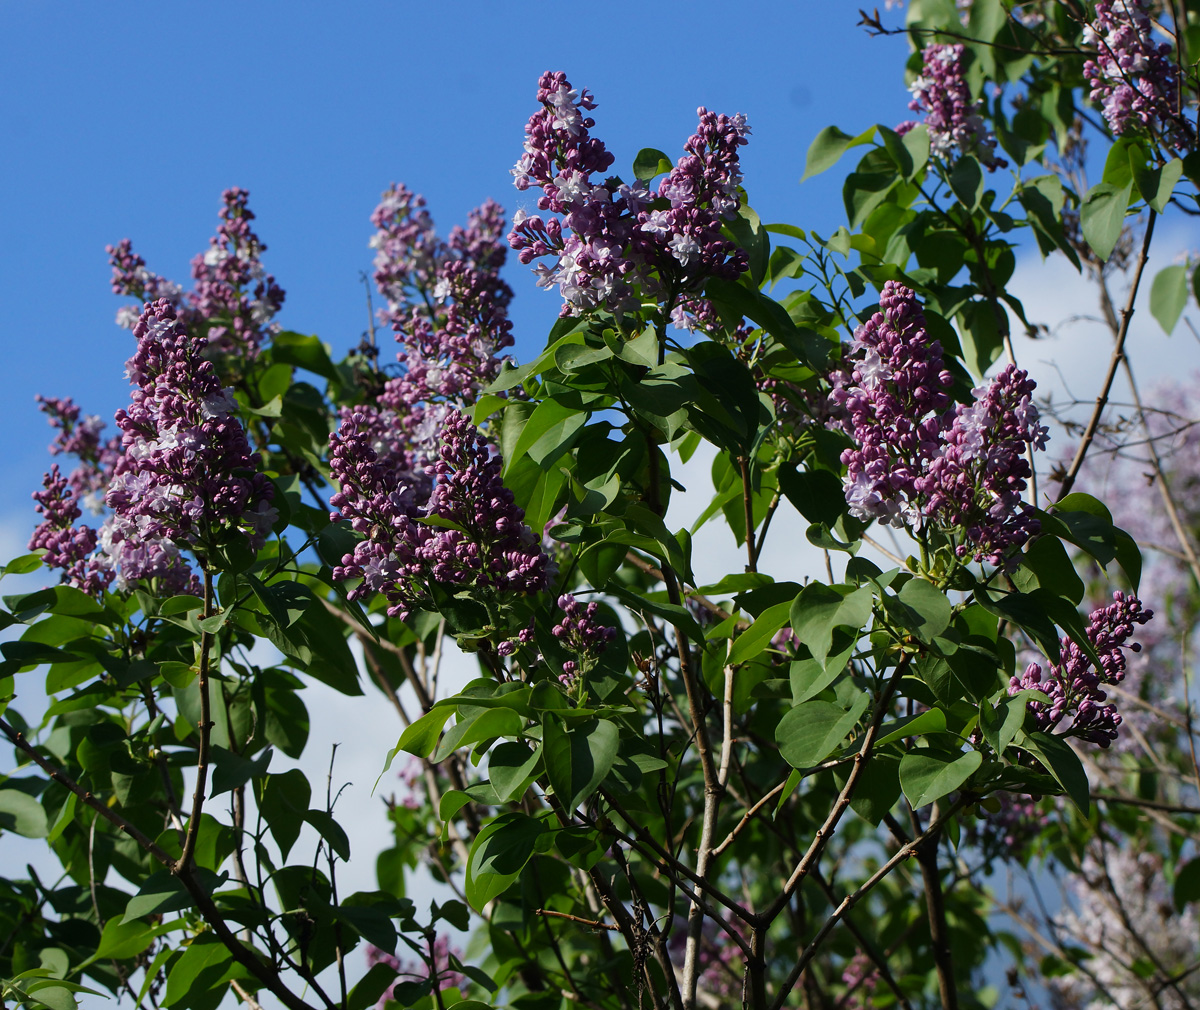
<point>1118,355</point>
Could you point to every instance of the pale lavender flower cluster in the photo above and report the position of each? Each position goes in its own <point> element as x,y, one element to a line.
<point>469,533</point>
<point>234,300</point>
<point>67,546</point>
<point>615,243</point>
<point>1134,78</point>
<point>81,439</point>
<point>861,977</point>
<point>1012,826</point>
<point>955,123</point>
<point>444,977</point>
<point>445,300</point>
<point>1123,908</point>
<point>1074,686</point>
<point>187,474</point>
<point>580,631</point>
<point>917,459</point>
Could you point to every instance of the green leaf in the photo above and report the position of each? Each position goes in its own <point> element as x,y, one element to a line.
<point>1046,565</point>
<point>23,814</point>
<point>966,181</point>
<point>163,892</point>
<point>1157,184</point>
<point>331,831</point>
<point>818,609</point>
<point>808,733</point>
<point>878,788</point>
<point>927,774</point>
<point>283,802</point>
<point>758,636</point>
<point>509,765</point>
<point>1169,295</point>
<point>828,146</point>
<point>1061,762</point>
<point>205,964</point>
<point>498,855</point>
<point>549,432</point>
<point>930,721</point>
<point>370,988</point>
<point>809,678</point>
<point>486,725</point>
<point>578,759</point>
<point>23,565</point>
<point>306,352</point>
<point>422,736</point>
<point>1187,884</point>
<point>1103,216</point>
<point>930,610</point>
<point>649,163</point>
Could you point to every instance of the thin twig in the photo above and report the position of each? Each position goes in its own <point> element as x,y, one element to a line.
<point>1118,354</point>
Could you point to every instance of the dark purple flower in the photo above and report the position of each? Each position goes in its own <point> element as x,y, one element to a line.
<point>68,547</point>
<point>580,631</point>
<point>1075,686</point>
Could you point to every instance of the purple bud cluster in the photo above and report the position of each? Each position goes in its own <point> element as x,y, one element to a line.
<point>955,124</point>
<point>1134,78</point>
<point>916,458</point>
<point>130,277</point>
<point>234,294</point>
<point>1074,686</point>
<point>234,299</point>
<point>615,243</point>
<point>445,300</point>
<point>81,439</point>
<point>187,474</point>
<point>469,533</point>
<point>67,546</point>
<point>1014,825</point>
<point>582,633</point>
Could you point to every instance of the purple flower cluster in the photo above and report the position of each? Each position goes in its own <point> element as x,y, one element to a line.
<point>445,300</point>
<point>580,632</point>
<point>187,475</point>
<point>955,124</point>
<point>861,977</point>
<point>443,975</point>
<point>917,459</point>
<point>1074,686</point>
<point>469,533</point>
<point>234,299</point>
<point>616,244</point>
<point>67,546</point>
<point>1134,78</point>
<point>234,295</point>
<point>81,439</point>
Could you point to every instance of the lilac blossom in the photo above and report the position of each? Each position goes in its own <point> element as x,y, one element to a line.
<point>468,534</point>
<point>234,299</point>
<point>580,631</point>
<point>81,438</point>
<point>977,480</point>
<point>861,977</point>
<point>187,474</point>
<point>1133,78</point>
<point>614,243</point>
<point>68,547</point>
<point>1074,686</point>
<point>443,975</point>
<point>892,396</point>
<point>955,122</point>
<point>445,300</point>
<point>917,460</point>
<point>1121,907</point>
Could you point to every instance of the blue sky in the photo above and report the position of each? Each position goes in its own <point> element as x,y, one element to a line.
<point>129,121</point>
